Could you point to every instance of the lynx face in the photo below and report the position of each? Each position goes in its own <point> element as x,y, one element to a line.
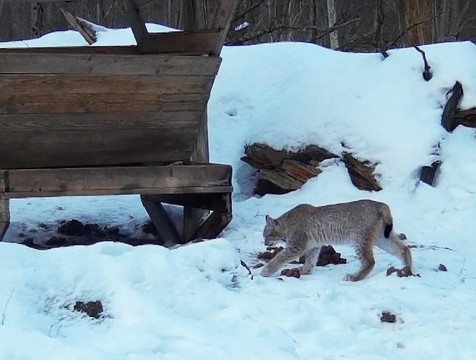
<point>271,233</point>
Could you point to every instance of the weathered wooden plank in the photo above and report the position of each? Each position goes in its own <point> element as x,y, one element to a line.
<point>160,105</point>
<point>126,191</point>
<point>112,84</point>
<point>127,179</point>
<point>197,43</point>
<point>39,61</point>
<point>164,120</point>
<point>164,226</point>
<point>37,149</point>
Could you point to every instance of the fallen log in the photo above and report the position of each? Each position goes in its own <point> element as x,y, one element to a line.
<point>361,173</point>
<point>281,171</point>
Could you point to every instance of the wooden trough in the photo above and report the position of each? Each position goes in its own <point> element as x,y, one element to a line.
<point>118,120</point>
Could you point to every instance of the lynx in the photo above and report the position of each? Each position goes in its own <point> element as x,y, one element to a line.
<point>306,228</point>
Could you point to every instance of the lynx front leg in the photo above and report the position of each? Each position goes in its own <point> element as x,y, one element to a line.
<point>366,257</point>
<point>284,257</point>
<point>310,259</point>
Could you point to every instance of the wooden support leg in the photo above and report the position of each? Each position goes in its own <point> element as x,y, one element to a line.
<point>4,216</point>
<point>213,226</point>
<point>160,219</point>
<point>191,222</point>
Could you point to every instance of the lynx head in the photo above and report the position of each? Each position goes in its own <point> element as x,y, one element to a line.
<point>272,232</point>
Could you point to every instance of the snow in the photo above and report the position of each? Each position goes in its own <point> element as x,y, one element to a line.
<point>197,301</point>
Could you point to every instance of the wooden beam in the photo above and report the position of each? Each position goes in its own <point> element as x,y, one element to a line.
<point>196,43</point>
<point>222,21</point>
<point>115,110</point>
<point>174,179</point>
<point>116,60</point>
<point>136,20</point>
<point>103,84</point>
<point>190,23</point>
<point>46,149</point>
<point>161,220</point>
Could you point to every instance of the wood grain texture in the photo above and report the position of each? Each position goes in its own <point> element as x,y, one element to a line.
<point>103,84</point>
<point>197,43</point>
<point>124,105</point>
<point>40,149</point>
<point>39,61</point>
<point>121,180</point>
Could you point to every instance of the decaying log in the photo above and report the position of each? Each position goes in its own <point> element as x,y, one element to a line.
<point>466,118</point>
<point>281,171</point>
<point>448,120</point>
<point>361,173</point>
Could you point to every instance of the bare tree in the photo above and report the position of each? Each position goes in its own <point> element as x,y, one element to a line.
<point>332,20</point>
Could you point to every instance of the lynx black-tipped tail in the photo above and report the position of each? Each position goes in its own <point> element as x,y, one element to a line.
<point>388,229</point>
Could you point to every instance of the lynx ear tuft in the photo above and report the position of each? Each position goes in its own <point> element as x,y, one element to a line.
<point>269,220</point>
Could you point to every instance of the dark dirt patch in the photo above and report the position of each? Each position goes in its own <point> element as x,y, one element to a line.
<point>328,255</point>
<point>388,317</point>
<point>404,272</point>
<point>93,309</point>
<point>442,267</point>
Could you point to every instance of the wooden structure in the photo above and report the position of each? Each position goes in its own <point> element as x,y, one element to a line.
<point>118,120</point>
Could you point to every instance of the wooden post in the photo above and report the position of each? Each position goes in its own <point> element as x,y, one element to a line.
<point>190,23</point>
<point>4,216</point>
<point>160,219</point>
<point>136,20</point>
<point>4,205</point>
<point>222,21</point>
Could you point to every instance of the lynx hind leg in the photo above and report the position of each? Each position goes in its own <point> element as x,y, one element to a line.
<point>367,262</point>
<point>284,257</point>
<point>310,259</point>
<point>396,246</point>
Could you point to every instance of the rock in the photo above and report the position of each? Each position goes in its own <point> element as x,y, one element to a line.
<point>388,317</point>
<point>93,309</point>
<point>328,255</point>
<point>442,267</point>
<point>72,228</point>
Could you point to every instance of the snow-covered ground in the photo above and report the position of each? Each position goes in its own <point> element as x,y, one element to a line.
<point>197,301</point>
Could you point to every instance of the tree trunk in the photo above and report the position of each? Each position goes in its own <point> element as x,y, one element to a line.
<point>417,19</point>
<point>332,19</point>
